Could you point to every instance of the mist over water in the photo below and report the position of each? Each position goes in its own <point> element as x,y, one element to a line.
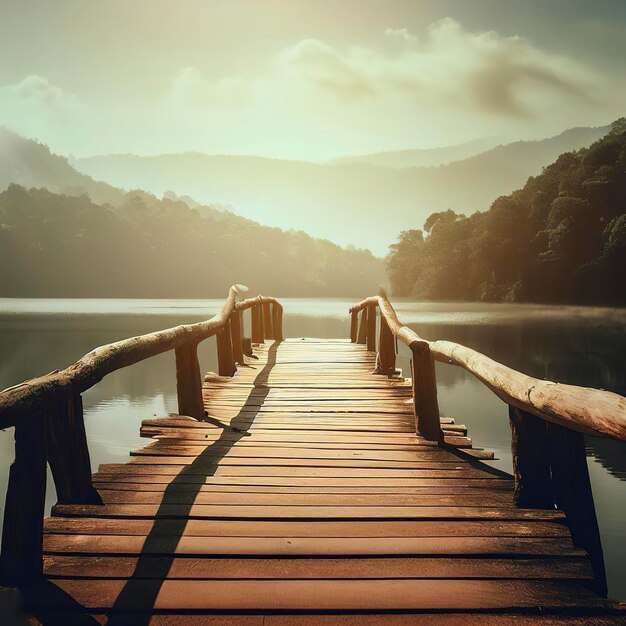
<point>577,345</point>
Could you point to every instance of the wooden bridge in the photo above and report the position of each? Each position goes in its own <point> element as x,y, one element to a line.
<point>307,482</point>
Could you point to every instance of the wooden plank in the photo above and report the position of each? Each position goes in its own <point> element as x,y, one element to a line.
<point>202,469</point>
<point>312,546</point>
<point>209,568</point>
<point>581,617</point>
<point>307,595</point>
<point>445,481</point>
<point>205,511</point>
<point>277,528</point>
<point>116,484</point>
<point>487,498</point>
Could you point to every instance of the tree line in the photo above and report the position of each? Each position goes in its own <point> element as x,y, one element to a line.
<point>56,245</point>
<point>559,239</point>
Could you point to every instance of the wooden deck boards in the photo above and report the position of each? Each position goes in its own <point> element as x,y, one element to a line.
<point>307,491</point>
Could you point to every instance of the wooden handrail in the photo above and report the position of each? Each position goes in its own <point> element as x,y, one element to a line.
<point>47,413</point>
<point>586,410</point>
<point>26,398</point>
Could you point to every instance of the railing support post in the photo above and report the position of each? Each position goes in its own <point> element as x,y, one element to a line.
<point>267,321</point>
<point>354,326</point>
<point>225,360</point>
<point>21,561</point>
<point>68,454</point>
<point>236,337</point>
<point>257,324</point>
<point>362,334</point>
<point>573,495</point>
<point>531,460</point>
<point>425,392</point>
<point>188,381</point>
<point>277,321</point>
<point>371,328</point>
<point>386,358</point>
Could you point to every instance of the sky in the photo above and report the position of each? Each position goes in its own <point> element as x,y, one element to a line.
<point>308,80</point>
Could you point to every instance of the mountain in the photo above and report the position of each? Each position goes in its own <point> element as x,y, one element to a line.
<point>348,203</point>
<point>559,239</point>
<point>422,157</point>
<point>84,238</point>
<point>31,164</point>
<point>53,245</point>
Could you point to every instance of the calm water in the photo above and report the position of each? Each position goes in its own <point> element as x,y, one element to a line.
<point>583,346</point>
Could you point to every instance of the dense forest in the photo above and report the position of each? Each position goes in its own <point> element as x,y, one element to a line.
<point>560,239</point>
<point>54,245</point>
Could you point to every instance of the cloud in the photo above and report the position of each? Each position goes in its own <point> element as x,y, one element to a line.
<point>37,108</point>
<point>37,90</point>
<point>452,67</point>
<point>192,88</point>
<point>321,66</point>
<point>400,33</point>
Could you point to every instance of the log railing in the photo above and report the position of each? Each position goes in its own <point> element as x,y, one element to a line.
<point>548,420</point>
<point>47,415</point>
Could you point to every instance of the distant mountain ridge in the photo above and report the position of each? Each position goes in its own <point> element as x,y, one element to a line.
<point>422,157</point>
<point>348,203</point>
<point>31,164</point>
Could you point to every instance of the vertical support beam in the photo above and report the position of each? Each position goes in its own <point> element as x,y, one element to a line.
<point>572,490</point>
<point>371,328</point>
<point>386,358</point>
<point>236,337</point>
<point>354,326</point>
<point>68,454</point>
<point>225,360</point>
<point>257,324</point>
<point>425,392</point>
<point>267,321</point>
<point>277,321</point>
<point>188,381</point>
<point>531,460</point>
<point>362,335</point>
<point>21,561</point>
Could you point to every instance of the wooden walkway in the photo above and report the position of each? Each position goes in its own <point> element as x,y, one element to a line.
<point>308,492</point>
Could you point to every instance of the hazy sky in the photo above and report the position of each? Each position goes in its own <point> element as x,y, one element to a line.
<point>308,80</point>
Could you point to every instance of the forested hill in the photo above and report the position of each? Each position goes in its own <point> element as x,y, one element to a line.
<point>560,239</point>
<point>32,164</point>
<point>55,245</point>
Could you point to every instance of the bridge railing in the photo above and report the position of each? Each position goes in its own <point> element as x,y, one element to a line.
<point>47,414</point>
<point>548,419</point>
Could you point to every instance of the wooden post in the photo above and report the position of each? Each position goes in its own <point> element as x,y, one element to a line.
<point>425,392</point>
<point>572,491</point>
<point>354,325</point>
<point>257,324</point>
<point>188,381</point>
<point>68,454</point>
<point>531,460</point>
<point>362,335</point>
<point>386,358</point>
<point>267,321</point>
<point>277,321</point>
<point>236,337</point>
<point>246,344</point>
<point>371,328</point>
<point>21,561</point>
<point>225,360</point>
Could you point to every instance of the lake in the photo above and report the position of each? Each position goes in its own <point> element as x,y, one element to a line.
<point>583,346</point>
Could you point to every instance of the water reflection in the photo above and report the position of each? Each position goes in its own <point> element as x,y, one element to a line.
<point>567,344</point>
